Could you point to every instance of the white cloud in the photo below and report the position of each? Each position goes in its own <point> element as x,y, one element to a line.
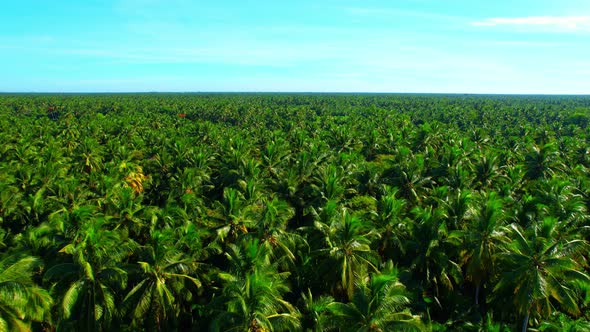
<point>520,43</point>
<point>555,23</point>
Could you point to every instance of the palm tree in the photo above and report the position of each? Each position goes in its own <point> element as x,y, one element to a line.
<point>236,161</point>
<point>558,198</point>
<point>21,300</point>
<point>540,271</point>
<point>488,172</point>
<point>483,237</point>
<point>409,178</point>
<point>316,314</point>
<point>428,136</point>
<point>347,248</point>
<point>255,303</point>
<point>458,205</point>
<point>380,305</point>
<point>274,154</point>
<point>372,144</point>
<point>10,198</point>
<point>526,209</point>
<point>88,283</point>
<point>153,301</point>
<point>272,229</point>
<point>452,166</point>
<point>542,162</point>
<point>431,250</point>
<point>391,223</point>
<point>252,293</point>
<point>233,214</point>
<point>330,183</point>
<point>90,155</point>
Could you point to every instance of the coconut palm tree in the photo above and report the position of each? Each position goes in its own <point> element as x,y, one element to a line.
<point>409,177</point>
<point>126,211</point>
<point>89,282</point>
<point>254,303</point>
<point>163,275</point>
<point>483,237</point>
<point>541,272</point>
<point>272,229</point>
<point>331,182</point>
<point>252,295</point>
<point>379,305</point>
<point>233,214</point>
<point>346,249</point>
<point>11,212</point>
<point>315,313</point>
<point>458,206</point>
<point>432,250</point>
<point>392,224</point>
<point>487,172</point>
<point>22,301</point>
<point>275,154</point>
<point>559,198</point>
<point>90,155</point>
<point>542,162</point>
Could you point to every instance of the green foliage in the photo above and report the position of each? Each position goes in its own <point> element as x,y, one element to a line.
<point>22,301</point>
<point>267,212</point>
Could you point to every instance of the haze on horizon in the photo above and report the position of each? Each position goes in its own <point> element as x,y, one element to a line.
<point>424,46</point>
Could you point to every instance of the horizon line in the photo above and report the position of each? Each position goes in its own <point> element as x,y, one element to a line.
<point>292,92</point>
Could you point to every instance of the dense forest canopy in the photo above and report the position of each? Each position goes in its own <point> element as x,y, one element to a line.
<point>294,212</point>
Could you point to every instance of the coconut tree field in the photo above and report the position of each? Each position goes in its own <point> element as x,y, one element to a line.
<point>294,212</point>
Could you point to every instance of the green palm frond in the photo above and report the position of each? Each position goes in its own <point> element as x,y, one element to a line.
<point>21,300</point>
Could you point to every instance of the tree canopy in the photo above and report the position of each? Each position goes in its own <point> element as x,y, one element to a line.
<point>294,212</point>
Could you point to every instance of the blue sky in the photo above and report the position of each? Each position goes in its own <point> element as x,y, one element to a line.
<point>459,46</point>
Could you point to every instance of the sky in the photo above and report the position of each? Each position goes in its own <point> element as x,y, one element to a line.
<point>423,46</point>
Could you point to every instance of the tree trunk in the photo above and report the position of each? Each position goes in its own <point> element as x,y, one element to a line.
<point>477,287</point>
<point>525,322</point>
